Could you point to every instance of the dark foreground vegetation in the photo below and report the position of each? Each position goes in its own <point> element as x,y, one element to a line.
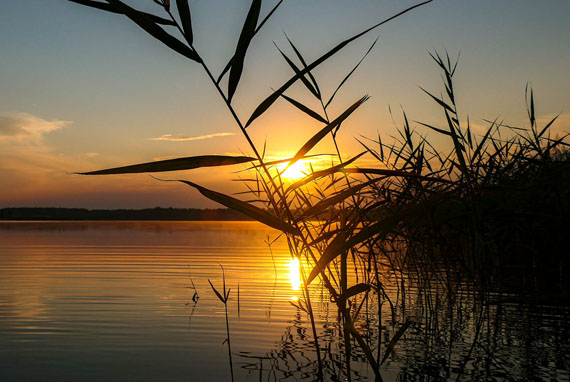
<point>157,213</point>
<point>449,228</point>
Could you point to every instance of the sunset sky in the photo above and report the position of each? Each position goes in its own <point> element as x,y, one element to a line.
<point>82,89</point>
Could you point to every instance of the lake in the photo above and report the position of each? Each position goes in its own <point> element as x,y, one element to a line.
<point>113,301</point>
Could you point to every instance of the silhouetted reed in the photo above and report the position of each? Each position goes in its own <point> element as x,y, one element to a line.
<point>442,222</point>
<point>224,297</point>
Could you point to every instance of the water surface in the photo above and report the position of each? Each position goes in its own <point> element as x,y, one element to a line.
<point>113,301</point>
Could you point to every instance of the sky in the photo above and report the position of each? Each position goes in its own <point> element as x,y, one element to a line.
<point>82,89</point>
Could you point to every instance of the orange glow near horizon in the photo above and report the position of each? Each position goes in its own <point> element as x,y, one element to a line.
<point>297,171</point>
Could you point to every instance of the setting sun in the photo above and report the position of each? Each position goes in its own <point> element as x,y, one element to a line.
<point>297,171</point>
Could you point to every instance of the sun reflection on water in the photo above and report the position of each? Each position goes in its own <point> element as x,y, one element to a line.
<point>294,275</point>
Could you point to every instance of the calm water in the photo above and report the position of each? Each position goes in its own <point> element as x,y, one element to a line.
<point>113,301</point>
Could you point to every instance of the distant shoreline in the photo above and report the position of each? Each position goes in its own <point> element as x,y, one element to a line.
<point>148,214</point>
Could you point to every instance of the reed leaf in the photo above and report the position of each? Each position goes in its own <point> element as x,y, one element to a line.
<point>323,237</point>
<point>305,109</point>
<point>530,107</point>
<point>110,8</point>
<point>154,30</point>
<point>356,289</point>
<point>322,205</point>
<point>322,173</point>
<point>186,19</point>
<point>547,126</point>
<point>481,145</point>
<point>266,104</point>
<point>216,292</point>
<point>439,101</point>
<point>229,64</point>
<point>304,79</point>
<point>325,130</point>
<point>340,243</point>
<point>245,37</point>
<point>300,56</point>
<point>245,208</point>
<point>371,151</point>
<point>381,228</point>
<point>350,73</point>
<point>459,148</point>
<point>177,164</point>
<point>273,163</point>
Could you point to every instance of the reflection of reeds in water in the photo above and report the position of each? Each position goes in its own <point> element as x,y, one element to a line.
<point>444,341</point>
<point>224,297</point>
<point>417,218</point>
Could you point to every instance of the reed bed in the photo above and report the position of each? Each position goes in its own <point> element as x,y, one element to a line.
<point>488,214</point>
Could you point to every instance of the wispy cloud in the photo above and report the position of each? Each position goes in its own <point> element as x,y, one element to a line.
<point>171,138</point>
<point>26,128</point>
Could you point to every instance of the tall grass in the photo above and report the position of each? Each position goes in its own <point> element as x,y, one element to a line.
<point>418,215</point>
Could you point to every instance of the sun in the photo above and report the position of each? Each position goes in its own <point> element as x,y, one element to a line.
<point>297,171</point>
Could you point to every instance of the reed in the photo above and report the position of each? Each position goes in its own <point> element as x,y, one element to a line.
<point>224,297</point>
<point>420,216</point>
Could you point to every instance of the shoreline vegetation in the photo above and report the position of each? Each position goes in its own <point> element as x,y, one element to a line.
<point>145,214</point>
<point>447,227</point>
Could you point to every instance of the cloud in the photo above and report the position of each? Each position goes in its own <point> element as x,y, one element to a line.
<point>34,173</point>
<point>26,128</point>
<point>171,138</point>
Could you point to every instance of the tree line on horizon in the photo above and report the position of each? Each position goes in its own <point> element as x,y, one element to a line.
<point>157,213</point>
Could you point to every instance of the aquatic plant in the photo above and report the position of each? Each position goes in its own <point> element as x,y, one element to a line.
<point>420,211</point>
<point>224,297</point>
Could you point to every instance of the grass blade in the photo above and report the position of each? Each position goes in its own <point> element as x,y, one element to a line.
<point>110,8</point>
<point>245,37</point>
<point>350,73</point>
<point>322,173</point>
<point>305,109</point>
<point>229,64</point>
<point>300,56</point>
<point>439,101</point>
<point>530,106</point>
<point>306,82</point>
<point>185,17</point>
<point>548,126</point>
<point>266,104</point>
<point>399,173</point>
<point>273,163</point>
<point>340,243</point>
<point>245,208</point>
<point>355,289</point>
<point>322,205</point>
<point>325,130</point>
<point>441,131</point>
<point>217,293</point>
<point>177,164</point>
<point>154,30</point>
